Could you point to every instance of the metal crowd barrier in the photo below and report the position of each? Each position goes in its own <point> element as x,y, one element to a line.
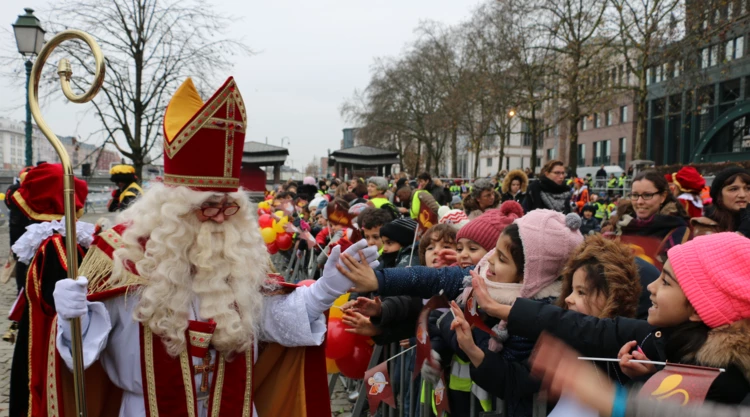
<point>414,407</point>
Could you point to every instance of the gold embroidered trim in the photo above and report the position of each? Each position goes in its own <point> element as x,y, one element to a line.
<point>229,141</point>
<point>203,118</point>
<point>187,381</point>
<point>191,181</point>
<point>150,376</point>
<point>18,199</point>
<point>112,238</point>
<point>196,336</point>
<point>32,272</point>
<point>219,385</point>
<point>248,406</point>
<point>51,386</point>
<point>62,252</point>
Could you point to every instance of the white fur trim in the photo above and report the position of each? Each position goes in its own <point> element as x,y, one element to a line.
<point>27,245</point>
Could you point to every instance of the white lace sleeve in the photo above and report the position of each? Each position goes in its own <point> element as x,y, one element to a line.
<point>286,322</point>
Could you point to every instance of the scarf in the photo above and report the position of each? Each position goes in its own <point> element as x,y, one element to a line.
<point>555,196</point>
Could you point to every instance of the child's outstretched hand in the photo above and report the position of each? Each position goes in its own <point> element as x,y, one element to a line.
<point>359,324</point>
<point>464,336</point>
<point>633,369</point>
<point>359,273</point>
<point>490,306</point>
<point>368,307</point>
<point>446,257</point>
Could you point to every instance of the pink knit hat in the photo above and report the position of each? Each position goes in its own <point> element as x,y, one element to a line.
<point>714,273</point>
<point>548,239</point>
<point>486,228</point>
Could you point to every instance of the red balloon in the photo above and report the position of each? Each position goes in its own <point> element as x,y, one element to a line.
<point>284,241</point>
<point>306,282</point>
<point>339,344</point>
<point>265,220</point>
<point>272,248</point>
<point>355,365</point>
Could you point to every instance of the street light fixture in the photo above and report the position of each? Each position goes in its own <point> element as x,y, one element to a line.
<point>511,113</point>
<point>29,39</point>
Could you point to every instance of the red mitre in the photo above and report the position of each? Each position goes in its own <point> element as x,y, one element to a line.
<point>203,142</point>
<point>40,196</point>
<point>687,179</point>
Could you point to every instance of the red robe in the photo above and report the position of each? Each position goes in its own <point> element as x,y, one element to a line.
<point>284,381</point>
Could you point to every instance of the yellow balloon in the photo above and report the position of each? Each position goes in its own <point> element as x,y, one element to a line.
<point>331,367</point>
<point>279,214</point>
<point>269,235</point>
<point>336,311</point>
<point>278,227</point>
<point>264,205</point>
<point>343,299</point>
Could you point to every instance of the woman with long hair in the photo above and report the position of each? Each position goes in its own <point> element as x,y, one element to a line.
<point>730,192</point>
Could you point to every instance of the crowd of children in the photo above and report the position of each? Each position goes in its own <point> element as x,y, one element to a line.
<point>571,272</point>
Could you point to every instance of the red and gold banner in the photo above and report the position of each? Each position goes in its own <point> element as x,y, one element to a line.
<point>379,387</point>
<point>684,384</point>
<point>423,337</point>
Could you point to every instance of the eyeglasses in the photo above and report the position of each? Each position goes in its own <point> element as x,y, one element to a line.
<point>557,172</point>
<point>214,211</point>
<point>646,196</point>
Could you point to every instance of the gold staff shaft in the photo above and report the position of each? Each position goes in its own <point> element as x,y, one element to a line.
<point>65,73</point>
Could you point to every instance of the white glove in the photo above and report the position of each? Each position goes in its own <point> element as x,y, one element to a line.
<point>70,302</point>
<point>430,374</point>
<point>320,296</point>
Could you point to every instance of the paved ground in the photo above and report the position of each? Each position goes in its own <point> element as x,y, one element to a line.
<point>340,405</point>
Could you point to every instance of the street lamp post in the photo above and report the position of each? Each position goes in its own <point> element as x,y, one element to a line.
<point>29,39</point>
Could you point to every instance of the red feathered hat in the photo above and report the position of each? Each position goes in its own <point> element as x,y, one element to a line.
<point>40,196</point>
<point>203,142</point>
<point>687,179</point>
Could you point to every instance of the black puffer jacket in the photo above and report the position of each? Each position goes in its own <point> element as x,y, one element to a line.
<point>726,347</point>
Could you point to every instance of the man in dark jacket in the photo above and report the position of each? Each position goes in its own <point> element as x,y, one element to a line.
<point>441,195</point>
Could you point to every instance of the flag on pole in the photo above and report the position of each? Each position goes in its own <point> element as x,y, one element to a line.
<point>379,387</point>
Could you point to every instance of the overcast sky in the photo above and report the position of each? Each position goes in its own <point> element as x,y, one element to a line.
<point>311,55</point>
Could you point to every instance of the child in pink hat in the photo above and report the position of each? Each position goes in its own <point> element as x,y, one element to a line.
<point>700,316</point>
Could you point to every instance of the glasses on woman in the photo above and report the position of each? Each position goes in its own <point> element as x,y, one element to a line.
<point>214,211</point>
<point>646,196</point>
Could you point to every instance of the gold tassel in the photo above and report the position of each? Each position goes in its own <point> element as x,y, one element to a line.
<point>96,267</point>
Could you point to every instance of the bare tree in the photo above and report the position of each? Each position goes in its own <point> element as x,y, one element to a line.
<point>151,47</point>
<point>581,53</point>
<point>645,28</point>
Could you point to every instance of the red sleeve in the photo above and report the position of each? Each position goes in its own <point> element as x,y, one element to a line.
<point>321,237</point>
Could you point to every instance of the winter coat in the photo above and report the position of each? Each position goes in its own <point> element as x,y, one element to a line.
<point>667,226</point>
<point>726,347</point>
<point>516,174</point>
<point>590,225</point>
<point>546,194</point>
<point>500,376</point>
<point>441,194</point>
<point>647,407</point>
<point>471,206</point>
<point>398,319</point>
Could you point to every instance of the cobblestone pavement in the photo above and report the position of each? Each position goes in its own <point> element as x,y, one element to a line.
<point>340,405</point>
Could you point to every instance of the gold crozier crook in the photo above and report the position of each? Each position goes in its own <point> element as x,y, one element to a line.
<point>64,71</point>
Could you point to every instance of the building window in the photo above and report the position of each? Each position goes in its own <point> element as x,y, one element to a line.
<point>717,16</point>
<point>610,115</point>
<point>597,121</point>
<point>649,75</point>
<point>623,149</point>
<point>601,152</point>
<point>582,154</point>
<point>709,56</point>
<point>551,154</point>
<point>743,7</point>
<point>659,74</point>
<point>584,123</point>
<point>623,114</point>
<point>733,49</point>
<point>730,9</point>
<point>676,68</point>
<point>489,162</point>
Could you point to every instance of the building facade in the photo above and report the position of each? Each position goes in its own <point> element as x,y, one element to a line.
<point>13,149</point>
<point>699,89</point>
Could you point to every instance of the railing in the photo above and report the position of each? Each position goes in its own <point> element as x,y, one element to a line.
<point>601,160</point>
